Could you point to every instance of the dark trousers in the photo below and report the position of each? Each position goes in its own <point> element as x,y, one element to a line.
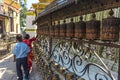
<point>19,63</point>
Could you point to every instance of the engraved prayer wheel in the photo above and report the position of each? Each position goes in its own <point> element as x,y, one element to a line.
<point>93,29</point>
<point>57,29</point>
<point>63,29</point>
<point>52,32</point>
<point>80,29</point>
<point>41,30</point>
<point>110,28</point>
<point>70,29</point>
<point>46,30</point>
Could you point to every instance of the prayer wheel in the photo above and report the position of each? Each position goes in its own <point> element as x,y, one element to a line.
<point>52,33</point>
<point>63,29</point>
<point>57,29</point>
<point>41,30</point>
<point>45,28</point>
<point>70,29</point>
<point>110,28</point>
<point>80,29</point>
<point>93,29</point>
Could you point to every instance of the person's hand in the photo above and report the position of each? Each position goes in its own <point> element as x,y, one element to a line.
<point>36,35</point>
<point>14,60</point>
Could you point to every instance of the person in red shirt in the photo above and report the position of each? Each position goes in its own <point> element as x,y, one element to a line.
<point>29,41</point>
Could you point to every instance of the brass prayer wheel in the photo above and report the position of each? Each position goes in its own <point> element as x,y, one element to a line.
<point>41,30</point>
<point>52,32</point>
<point>80,29</point>
<point>46,30</point>
<point>57,29</point>
<point>63,29</point>
<point>110,28</point>
<point>70,29</point>
<point>93,29</point>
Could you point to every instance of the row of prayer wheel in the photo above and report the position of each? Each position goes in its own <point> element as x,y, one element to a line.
<point>90,30</point>
<point>44,30</point>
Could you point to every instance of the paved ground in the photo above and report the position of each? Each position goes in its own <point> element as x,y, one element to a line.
<point>8,70</point>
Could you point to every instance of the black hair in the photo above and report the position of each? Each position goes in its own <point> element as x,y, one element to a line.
<point>19,37</point>
<point>26,36</point>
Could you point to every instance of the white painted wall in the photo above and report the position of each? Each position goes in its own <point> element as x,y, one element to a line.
<point>30,29</point>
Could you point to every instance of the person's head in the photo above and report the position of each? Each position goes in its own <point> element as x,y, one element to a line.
<point>26,36</point>
<point>19,37</point>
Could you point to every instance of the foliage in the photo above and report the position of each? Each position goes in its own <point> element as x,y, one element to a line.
<point>23,13</point>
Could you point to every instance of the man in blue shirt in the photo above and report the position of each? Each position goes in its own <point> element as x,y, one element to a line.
<point>20,52</point>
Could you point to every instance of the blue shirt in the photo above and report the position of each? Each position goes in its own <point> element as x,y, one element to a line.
<point>20,50</point>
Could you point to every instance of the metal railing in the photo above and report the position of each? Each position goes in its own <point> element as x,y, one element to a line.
<point>80,58</point>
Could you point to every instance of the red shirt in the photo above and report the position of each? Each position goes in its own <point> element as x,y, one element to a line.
<point>29,42</point>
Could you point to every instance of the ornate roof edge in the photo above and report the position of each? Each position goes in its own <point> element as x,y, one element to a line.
<point>55,5</point>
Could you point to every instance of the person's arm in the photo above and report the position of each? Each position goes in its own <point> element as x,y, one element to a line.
<point>14,53</point>
<point>32,39</point>
<point>14,58</point>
